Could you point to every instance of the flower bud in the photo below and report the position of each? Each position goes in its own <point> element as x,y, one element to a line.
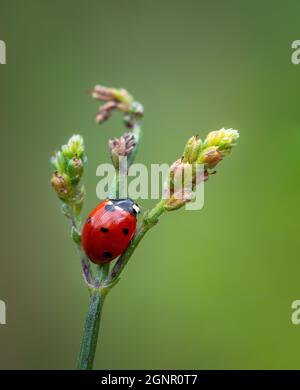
<point>224,139</point>
<point>176,170</point>
<point>58,162</point>
<point>102,93</point>
<point>105,111</point>
<point>186,173</point>
<point>122,95</point>
<point>120,147</point>
<point>75,169</point>
<point>213,138</point>
<point>228,141</point>
<point>74,147</point>
<point>210,157</point>
<point>192,149</point>
<point>116,99</point>
<point>111,94</point>
<point>62,185</point>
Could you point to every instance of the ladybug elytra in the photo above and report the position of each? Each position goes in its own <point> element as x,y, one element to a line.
<point>109,229</point>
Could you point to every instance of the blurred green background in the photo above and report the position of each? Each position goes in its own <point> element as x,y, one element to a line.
<point>209,289</point>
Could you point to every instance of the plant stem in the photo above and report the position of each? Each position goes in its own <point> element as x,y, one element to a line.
<point>116,187</point>
<point>91,331</point>
<point>101,274</point>
<point>85,263</point>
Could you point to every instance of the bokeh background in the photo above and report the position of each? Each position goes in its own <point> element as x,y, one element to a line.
<point>208,289</point>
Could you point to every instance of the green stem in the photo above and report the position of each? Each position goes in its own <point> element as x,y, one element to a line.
<point>115,188</point>
<point>85,262</point>
<point>91,331</point>
<point>101,274</point>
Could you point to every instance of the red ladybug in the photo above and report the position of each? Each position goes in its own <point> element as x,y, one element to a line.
<point>109,229</point>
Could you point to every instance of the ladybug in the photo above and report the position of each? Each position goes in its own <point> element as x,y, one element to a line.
<point>109,229</point>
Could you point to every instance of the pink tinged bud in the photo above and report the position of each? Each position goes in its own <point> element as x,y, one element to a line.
<point>61,184</point>
<point>115,99</point>
<point>176,171</point>
<point>111,94</point>
<point>120,147</point>
<point>105,111</point>
<point>181,178</point>
<point>210,157</point>
<point>103,93</point>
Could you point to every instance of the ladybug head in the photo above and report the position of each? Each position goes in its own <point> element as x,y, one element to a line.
<point>127,205</point>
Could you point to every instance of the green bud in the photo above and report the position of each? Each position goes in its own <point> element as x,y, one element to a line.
<point>192,149</point>
<point>74,147</point>
<point>58,162</point>
<point>224,139</point>
<point>210,157</point>
<point>122,95</point>
<point>75,169</point>
<point>62,185</point>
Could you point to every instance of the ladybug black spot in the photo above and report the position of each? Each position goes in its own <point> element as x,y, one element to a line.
<point>107,255</point>
<point>104,230</point>
<point>110,207</point>
<point>89,220</point>
<point>125,231</point>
